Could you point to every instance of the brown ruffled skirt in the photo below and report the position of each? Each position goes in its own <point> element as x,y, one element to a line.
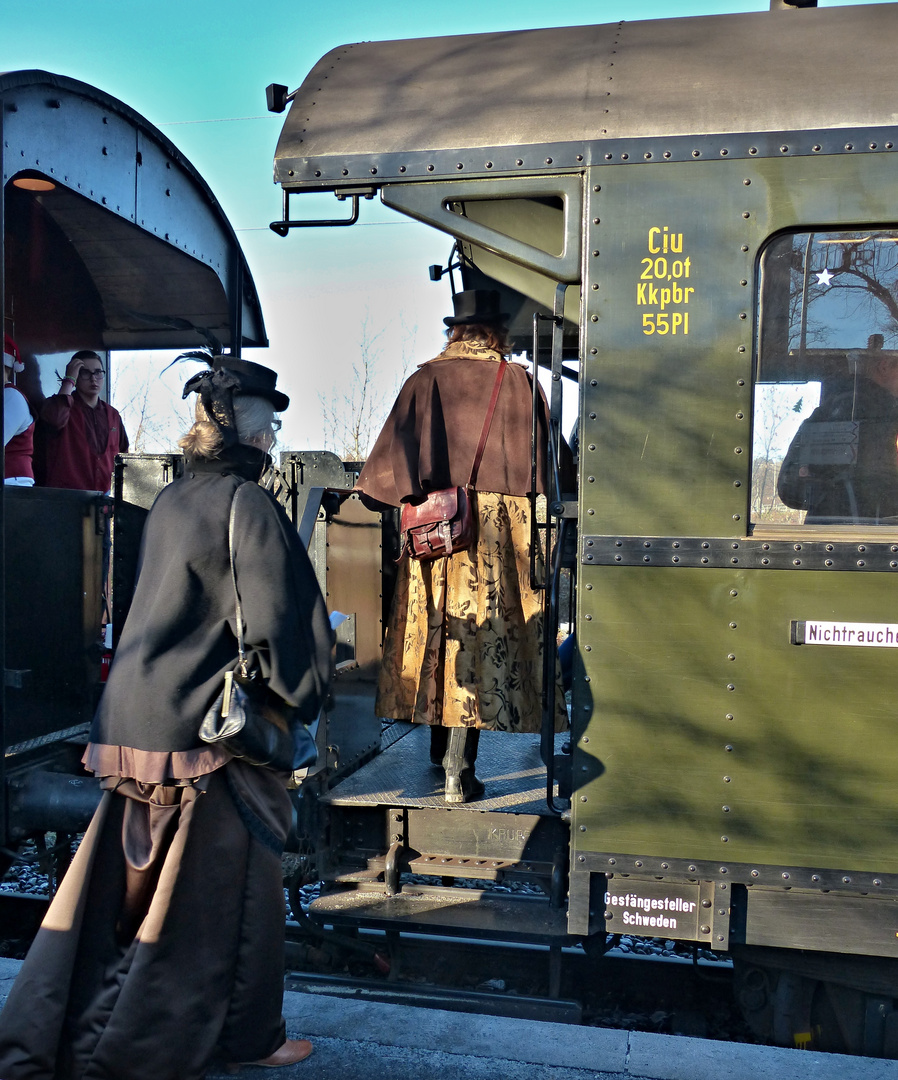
<point>163,947</point>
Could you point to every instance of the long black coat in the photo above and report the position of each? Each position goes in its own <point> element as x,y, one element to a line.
<point>179,637</point>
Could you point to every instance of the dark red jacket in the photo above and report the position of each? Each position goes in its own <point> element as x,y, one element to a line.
<point>77,444</point>
<point>20,448</point>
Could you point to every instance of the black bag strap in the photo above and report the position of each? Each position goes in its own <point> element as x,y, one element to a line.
<point>241,650</point>
<point>491,408</point>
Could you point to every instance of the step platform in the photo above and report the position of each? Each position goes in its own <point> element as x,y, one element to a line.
<point>508,835</point>
<point>470,913</point>
<point>509,764</point>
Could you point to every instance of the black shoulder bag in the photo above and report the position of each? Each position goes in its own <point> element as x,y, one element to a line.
<point>248,718</point>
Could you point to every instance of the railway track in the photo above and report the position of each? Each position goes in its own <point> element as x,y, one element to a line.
<point>640,991</point>
<point>657,990</point>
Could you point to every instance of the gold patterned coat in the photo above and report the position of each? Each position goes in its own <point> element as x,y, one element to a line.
<point>463,646</point>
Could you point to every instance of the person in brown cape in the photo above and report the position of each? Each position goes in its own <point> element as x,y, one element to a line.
<point>463,645</point>
<point>163,947</point>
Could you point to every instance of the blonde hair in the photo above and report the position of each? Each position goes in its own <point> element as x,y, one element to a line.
<point>494,337</point>
<point>253,415</point>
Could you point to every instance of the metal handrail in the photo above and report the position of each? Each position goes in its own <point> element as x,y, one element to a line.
<point>287,223</point>
<point>554,509</point>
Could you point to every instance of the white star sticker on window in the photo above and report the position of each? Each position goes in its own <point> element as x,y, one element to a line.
<point>824,278</point>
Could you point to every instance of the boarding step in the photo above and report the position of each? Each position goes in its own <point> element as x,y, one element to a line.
<point>467,912</point>
<point>444,866</point>
<point>390,841</point>
<point>509,765</point>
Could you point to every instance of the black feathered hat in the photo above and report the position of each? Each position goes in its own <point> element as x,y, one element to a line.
<point>254,379</point>
<point>475,307</point>
<point>229,377</point>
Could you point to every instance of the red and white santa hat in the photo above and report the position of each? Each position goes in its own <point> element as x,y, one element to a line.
<point>11,354</point>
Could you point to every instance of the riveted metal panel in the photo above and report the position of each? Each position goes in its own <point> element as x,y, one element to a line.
<point>759,554</point>
<point>167,200</point>
<point>710,735</point>
<point>830,879</point>
<point>64,134</point>
<point>666,391</point>
<point>509,101</point>
<point>694,693</point>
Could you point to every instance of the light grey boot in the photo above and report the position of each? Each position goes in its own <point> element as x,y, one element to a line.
<point>461,752</point>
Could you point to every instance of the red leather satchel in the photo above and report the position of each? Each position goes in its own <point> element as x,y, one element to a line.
<point>438,526</point>
<point>444,523</point>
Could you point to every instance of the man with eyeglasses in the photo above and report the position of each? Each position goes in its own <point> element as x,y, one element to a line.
<point>80,433</point>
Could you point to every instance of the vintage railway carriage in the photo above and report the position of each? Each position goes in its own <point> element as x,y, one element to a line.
<point>110,240</point>
<point>705,211</point>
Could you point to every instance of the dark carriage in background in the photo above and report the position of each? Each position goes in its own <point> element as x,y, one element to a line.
<point>111,240</point>
<point>695,219</point>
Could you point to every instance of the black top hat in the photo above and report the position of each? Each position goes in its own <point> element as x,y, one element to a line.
<point>474,307</point>
<point>252,379</point>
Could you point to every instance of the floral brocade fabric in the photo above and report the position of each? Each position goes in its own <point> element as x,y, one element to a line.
<point>464,642</point>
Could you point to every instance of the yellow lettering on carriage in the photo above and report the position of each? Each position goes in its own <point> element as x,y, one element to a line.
<point>661,241</point>
<point>660,286</point>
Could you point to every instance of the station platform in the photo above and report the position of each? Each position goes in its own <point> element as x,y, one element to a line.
<point>363,1040</point>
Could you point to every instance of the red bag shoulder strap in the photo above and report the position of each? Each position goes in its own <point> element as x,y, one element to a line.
<point>491,408</point>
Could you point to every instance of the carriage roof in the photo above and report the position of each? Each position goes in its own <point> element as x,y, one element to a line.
<point>388,110</point>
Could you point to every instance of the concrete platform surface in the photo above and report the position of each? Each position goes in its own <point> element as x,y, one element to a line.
<point>364,1040</point>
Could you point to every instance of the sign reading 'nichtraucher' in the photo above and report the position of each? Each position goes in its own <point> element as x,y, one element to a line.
<point>871,635</point>
<point>652,908</point>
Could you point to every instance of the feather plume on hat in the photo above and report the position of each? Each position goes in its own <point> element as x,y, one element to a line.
<point>227,377</point>
<point>215,387</point>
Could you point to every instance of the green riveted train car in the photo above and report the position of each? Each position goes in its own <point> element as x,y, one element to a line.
<point>702,212</point>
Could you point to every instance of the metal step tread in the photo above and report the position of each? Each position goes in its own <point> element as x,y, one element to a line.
<point>502,915</point>
<point>443,866</point>
<point>509,765</point>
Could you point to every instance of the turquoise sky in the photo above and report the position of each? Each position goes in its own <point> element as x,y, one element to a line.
<point>198,70</point>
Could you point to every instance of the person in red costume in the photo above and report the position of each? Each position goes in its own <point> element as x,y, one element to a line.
<point>18,423</point>
<point>80,433</point>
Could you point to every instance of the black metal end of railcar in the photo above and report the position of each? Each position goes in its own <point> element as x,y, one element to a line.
<point>101,212</point>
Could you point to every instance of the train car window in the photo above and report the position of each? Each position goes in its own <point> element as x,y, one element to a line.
<point>825,420</point>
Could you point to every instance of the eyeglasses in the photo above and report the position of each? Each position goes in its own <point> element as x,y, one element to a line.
<point>275,424</point>
<point>89,373</point>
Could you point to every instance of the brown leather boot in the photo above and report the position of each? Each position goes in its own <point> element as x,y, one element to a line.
<point>293,1051</point>
<point>290,1053</point>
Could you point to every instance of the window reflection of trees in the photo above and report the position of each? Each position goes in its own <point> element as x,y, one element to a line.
<point>856,296</point>
<point>779,411</point>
